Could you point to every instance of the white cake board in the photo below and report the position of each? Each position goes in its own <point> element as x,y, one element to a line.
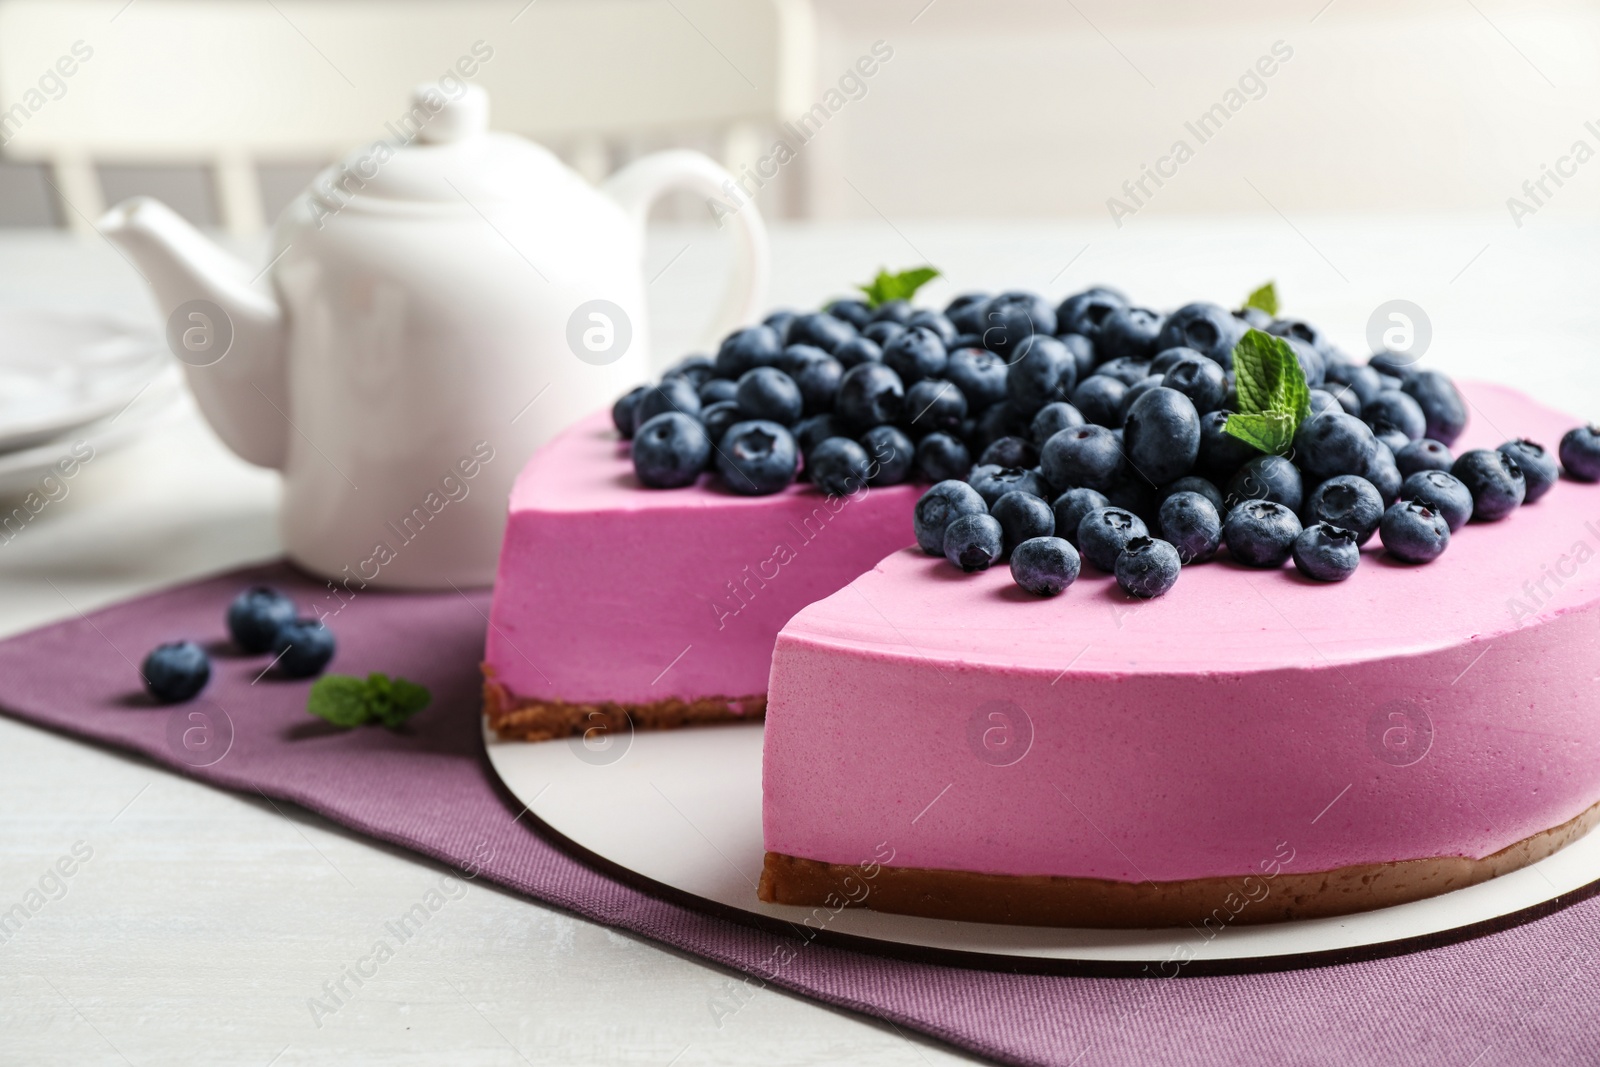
<point>679,813</point>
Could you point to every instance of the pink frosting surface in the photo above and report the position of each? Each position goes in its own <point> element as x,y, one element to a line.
<point>1448,709</point>
<point>611,591</point>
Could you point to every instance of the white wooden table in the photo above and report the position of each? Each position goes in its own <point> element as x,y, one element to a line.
<point>205,920</point>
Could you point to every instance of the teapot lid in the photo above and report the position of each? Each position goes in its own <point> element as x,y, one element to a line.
<point>440,152</point>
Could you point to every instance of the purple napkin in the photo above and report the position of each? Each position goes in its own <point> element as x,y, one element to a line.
<point>1524,995</point>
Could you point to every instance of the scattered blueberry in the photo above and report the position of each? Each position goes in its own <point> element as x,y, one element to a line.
<point>1334,444</point>
<point>1052,419</point>
<point>1208,329</point>
<point>839,467</point>
<point>864,349</point>
<point>811,432</point>
<point>670,450</point>
<point>303,648</point>
<point>820,329</point>
<point>1022,516</point>
<point>1495,480</point>
<point>993,482</point>
<point>892,455</point>
<point>1413,532</point>
<point>1083,313</point>
<point>698,369</point>
<point>1084,359</point>
<point>1099,398</point>
<point>1161,437</point>
<point>1323,403</point>
<point>1193,483</point>
<point>713,391</point>
<point>1135,391</point>
<point>1104,532</point>
<point>965,312</point>
<point>973,542</point>
<point>1383,473</point>
<point>1424,455</point>
<point>1129,333</point>
<point>747,349</point>
<point>1192,525</point>
<point>1013,317</point>
<point>1126,370</point>
<point>1147,567</point>
<point>673,394</point>
<point>622,410</point>
<point>175,672</point>
<point>1044,566</point>
<point>1392,364</point>
<point>941,505</point>
<point>935,405</point>
<point>1260,533</point>
<point>869,395</point>
<point>1326,552</point>
<point>936,321</point>
<point>898,312</point>
<point>1070,508</point>
<point>1221,453</point>
<point>979,374</point>
<point>818,382</point>
<point>1363,381</point>
<point>916,354</point>
<point>1349,502</point>
<point>1580,453</point>
<point>1399,410</point>
<point>1010,452</point>
<point>1271,478</point>
<point>719,417</point>
<point>1084,456</point>
<point>256,615</point>
<point>1442,492</point>
<point>1202,380</point>
<point>1539,469</point>
<point>757,458</point>
<point>1001,420</point>
<point>1042,372</point>
<point>941,457</point>
<point>768,393</point>
<point>1444,410</point>
<point>856,312</point>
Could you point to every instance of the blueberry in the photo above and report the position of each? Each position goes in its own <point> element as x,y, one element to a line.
<point>1326,552</point>
<point>1104,532</point>
<point>1344,398</point>
<point>673,394</point>
<point>1192,524</point>
<point>303,648</point>
<point>1259,533</point>
<point>1052,419</point>
<point>1390,434</point>
<point>1384,474</point>
<point>1161,435</point>
<point>1022,516</point>
<point>965,312</point>
<point>936,509</point>
<point>1266,478</point>
<point>1349,502</point>
<point>1135,391</point>
<point>1099,398</point>
<point>1442,492</point>
<point>757,458</point>
<point>1147,567</point>
<point>622,410</point>
<point>1202,380</point>
<point>941,457</point>
<point>1084,456</point>
<point>820,329</point>
<point>716,391</point>
<point>1132,493</point>
<point>1495,481</point>
<point>993,482</point>
<point>175,672</point>
<point>1044,566</point>
<point>916,354</point>
<point>1299,330</point>
<point>979,374</point>
<point>929,319</point>
<point>859,350</point>
<point>856,312</point>
<point>818,382</point>
<point>1011,318</point>
<point>1424,455</point>
<point>1539,468</point>
<point>795,358</point>
<point>839,466</point>
<point>1084,313</point>
<point>1310,360</point>
<point>1127,371</point>
<point>670,451</point>
<point>1363,381</point>
<point>935,404</point>
<point>1441,404</point>
<point>1334,444</point>
<point>898,312</point>
<point>1580,453</point>
<point>1398,409</point>
<point>811,432</point>
<point>1083,355</point>
<point>892,455</point>
<point>1042,371</point>
<point>1221,453</point>
<point>1413,532</point>
<point>697,369</point>
<point>747,349</point>
<point>1070,508</point>
<point>1193,483</point>
<point>973,542</point>
<point>1130,333</point>
<point>1254,318</point>
<point>879,334</point>
<point>255,616</point>
<point>1208,329</point>
<point>1323,403</point>
<point>869,395</point>
<point>1165,358</point>
<point>1000,420</point>
<point>779,322</point>
<point>1010,452</point>
<point>768,393</point>
<point>1392,364</point>
<point>718,417</point>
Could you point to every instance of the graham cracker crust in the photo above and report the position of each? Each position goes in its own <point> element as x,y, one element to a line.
<point>514,718</point>
<point>1042,900</point>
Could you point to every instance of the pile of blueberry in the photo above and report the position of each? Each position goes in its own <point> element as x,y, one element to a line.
<point>1074,431</point>
<point>259,620</point>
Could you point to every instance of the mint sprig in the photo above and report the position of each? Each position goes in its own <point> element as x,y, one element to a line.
<point>348,701</point>
<point>1273,396</point>
<point>902,286</point>
<point>1264,299</point>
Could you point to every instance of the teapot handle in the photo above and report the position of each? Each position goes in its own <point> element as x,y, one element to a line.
<point>636,186</point>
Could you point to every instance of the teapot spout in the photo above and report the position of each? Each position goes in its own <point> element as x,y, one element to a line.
<point>229,334</point>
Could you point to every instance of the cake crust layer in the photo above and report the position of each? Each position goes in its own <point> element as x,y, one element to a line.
<point>1248,899</point>
<point>514,718</point>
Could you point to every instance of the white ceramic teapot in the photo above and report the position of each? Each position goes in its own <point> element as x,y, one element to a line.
<point>431,313</point>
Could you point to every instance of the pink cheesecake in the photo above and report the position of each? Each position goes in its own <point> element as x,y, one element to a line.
<point>618,606</point>
<point>1253,746</point>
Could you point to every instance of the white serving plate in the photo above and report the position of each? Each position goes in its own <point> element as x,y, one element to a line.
<point>680,810</point>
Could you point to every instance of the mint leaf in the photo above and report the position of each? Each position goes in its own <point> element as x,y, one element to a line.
<point>902,286</point>
<point>1273,396</point>
<point>347,701</point>
<point>1264,299</point>
<point>340,699</point>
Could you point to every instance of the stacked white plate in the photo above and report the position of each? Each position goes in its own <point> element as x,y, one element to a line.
<point>69,379</point>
